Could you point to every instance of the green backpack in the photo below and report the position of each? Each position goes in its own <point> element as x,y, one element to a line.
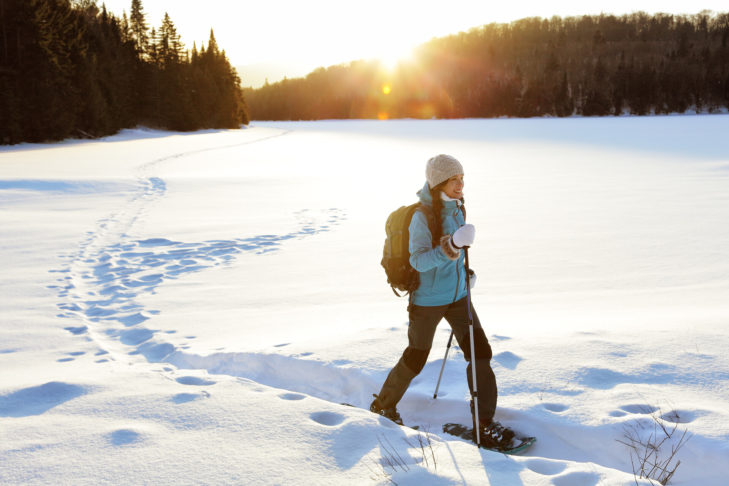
<point>396,253</point>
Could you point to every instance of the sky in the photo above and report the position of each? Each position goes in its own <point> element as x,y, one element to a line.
<point>277,38</point>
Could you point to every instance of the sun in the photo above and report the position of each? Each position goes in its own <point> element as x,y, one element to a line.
<point>391,56</point>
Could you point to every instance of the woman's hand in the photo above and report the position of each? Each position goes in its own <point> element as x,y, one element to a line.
<point>464,236</point>
<point>471,279</point>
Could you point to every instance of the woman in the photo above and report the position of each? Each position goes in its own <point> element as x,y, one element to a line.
<point>442,294</point>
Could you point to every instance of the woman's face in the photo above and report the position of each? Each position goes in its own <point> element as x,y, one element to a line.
<point>454,187</point>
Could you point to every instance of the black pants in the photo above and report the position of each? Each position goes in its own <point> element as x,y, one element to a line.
<point>423,323</point>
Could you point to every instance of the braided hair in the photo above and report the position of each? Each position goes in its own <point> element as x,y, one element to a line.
<point>435,194</point>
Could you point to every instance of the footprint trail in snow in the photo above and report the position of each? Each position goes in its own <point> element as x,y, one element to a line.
<point>100,288</point>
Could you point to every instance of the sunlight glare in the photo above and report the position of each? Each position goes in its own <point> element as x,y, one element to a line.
<point>393,56</point>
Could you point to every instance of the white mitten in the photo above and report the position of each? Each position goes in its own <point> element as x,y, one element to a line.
<point>464,236</point>
<point>471,279</point>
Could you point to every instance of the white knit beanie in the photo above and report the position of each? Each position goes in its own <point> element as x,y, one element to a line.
<point>441,168</point>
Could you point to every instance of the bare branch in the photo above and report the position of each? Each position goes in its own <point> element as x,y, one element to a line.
<point>649,458</point>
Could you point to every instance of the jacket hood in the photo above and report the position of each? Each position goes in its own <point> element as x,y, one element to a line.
<point>426,198</point>
<point>424,195</point>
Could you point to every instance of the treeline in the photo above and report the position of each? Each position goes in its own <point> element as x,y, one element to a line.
<point>591,65</point>
<point>72,69</point>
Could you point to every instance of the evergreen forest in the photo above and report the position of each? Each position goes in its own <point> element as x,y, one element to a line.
<point>70,69</point>
<point>591,65</point>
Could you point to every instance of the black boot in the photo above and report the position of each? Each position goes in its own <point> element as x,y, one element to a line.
<point>390,413</point>
<point>393,389</point>
<point>496,436</point>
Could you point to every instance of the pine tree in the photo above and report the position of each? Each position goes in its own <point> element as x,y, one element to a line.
<point>212,44</point>
<point>138,28</point>
<point>126,34</point>
<point>169,45</point>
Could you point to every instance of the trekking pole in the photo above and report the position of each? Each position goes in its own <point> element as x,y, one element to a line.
<point>474,393</point>
<point>448,347</point>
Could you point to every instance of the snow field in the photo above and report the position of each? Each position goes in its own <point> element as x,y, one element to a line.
<point>195,308</point>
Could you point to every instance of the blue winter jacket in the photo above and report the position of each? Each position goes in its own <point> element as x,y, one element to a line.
<point>442,280</point>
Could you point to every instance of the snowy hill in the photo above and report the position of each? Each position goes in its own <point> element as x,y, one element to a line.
<point>195,308</point>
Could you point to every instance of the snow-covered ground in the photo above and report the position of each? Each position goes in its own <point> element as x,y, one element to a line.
<point>194,308</point>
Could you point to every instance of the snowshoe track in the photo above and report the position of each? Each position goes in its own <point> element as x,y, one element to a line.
<point>102,282</point>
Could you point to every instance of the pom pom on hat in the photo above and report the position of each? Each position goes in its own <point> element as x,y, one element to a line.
<point>441,168</point>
